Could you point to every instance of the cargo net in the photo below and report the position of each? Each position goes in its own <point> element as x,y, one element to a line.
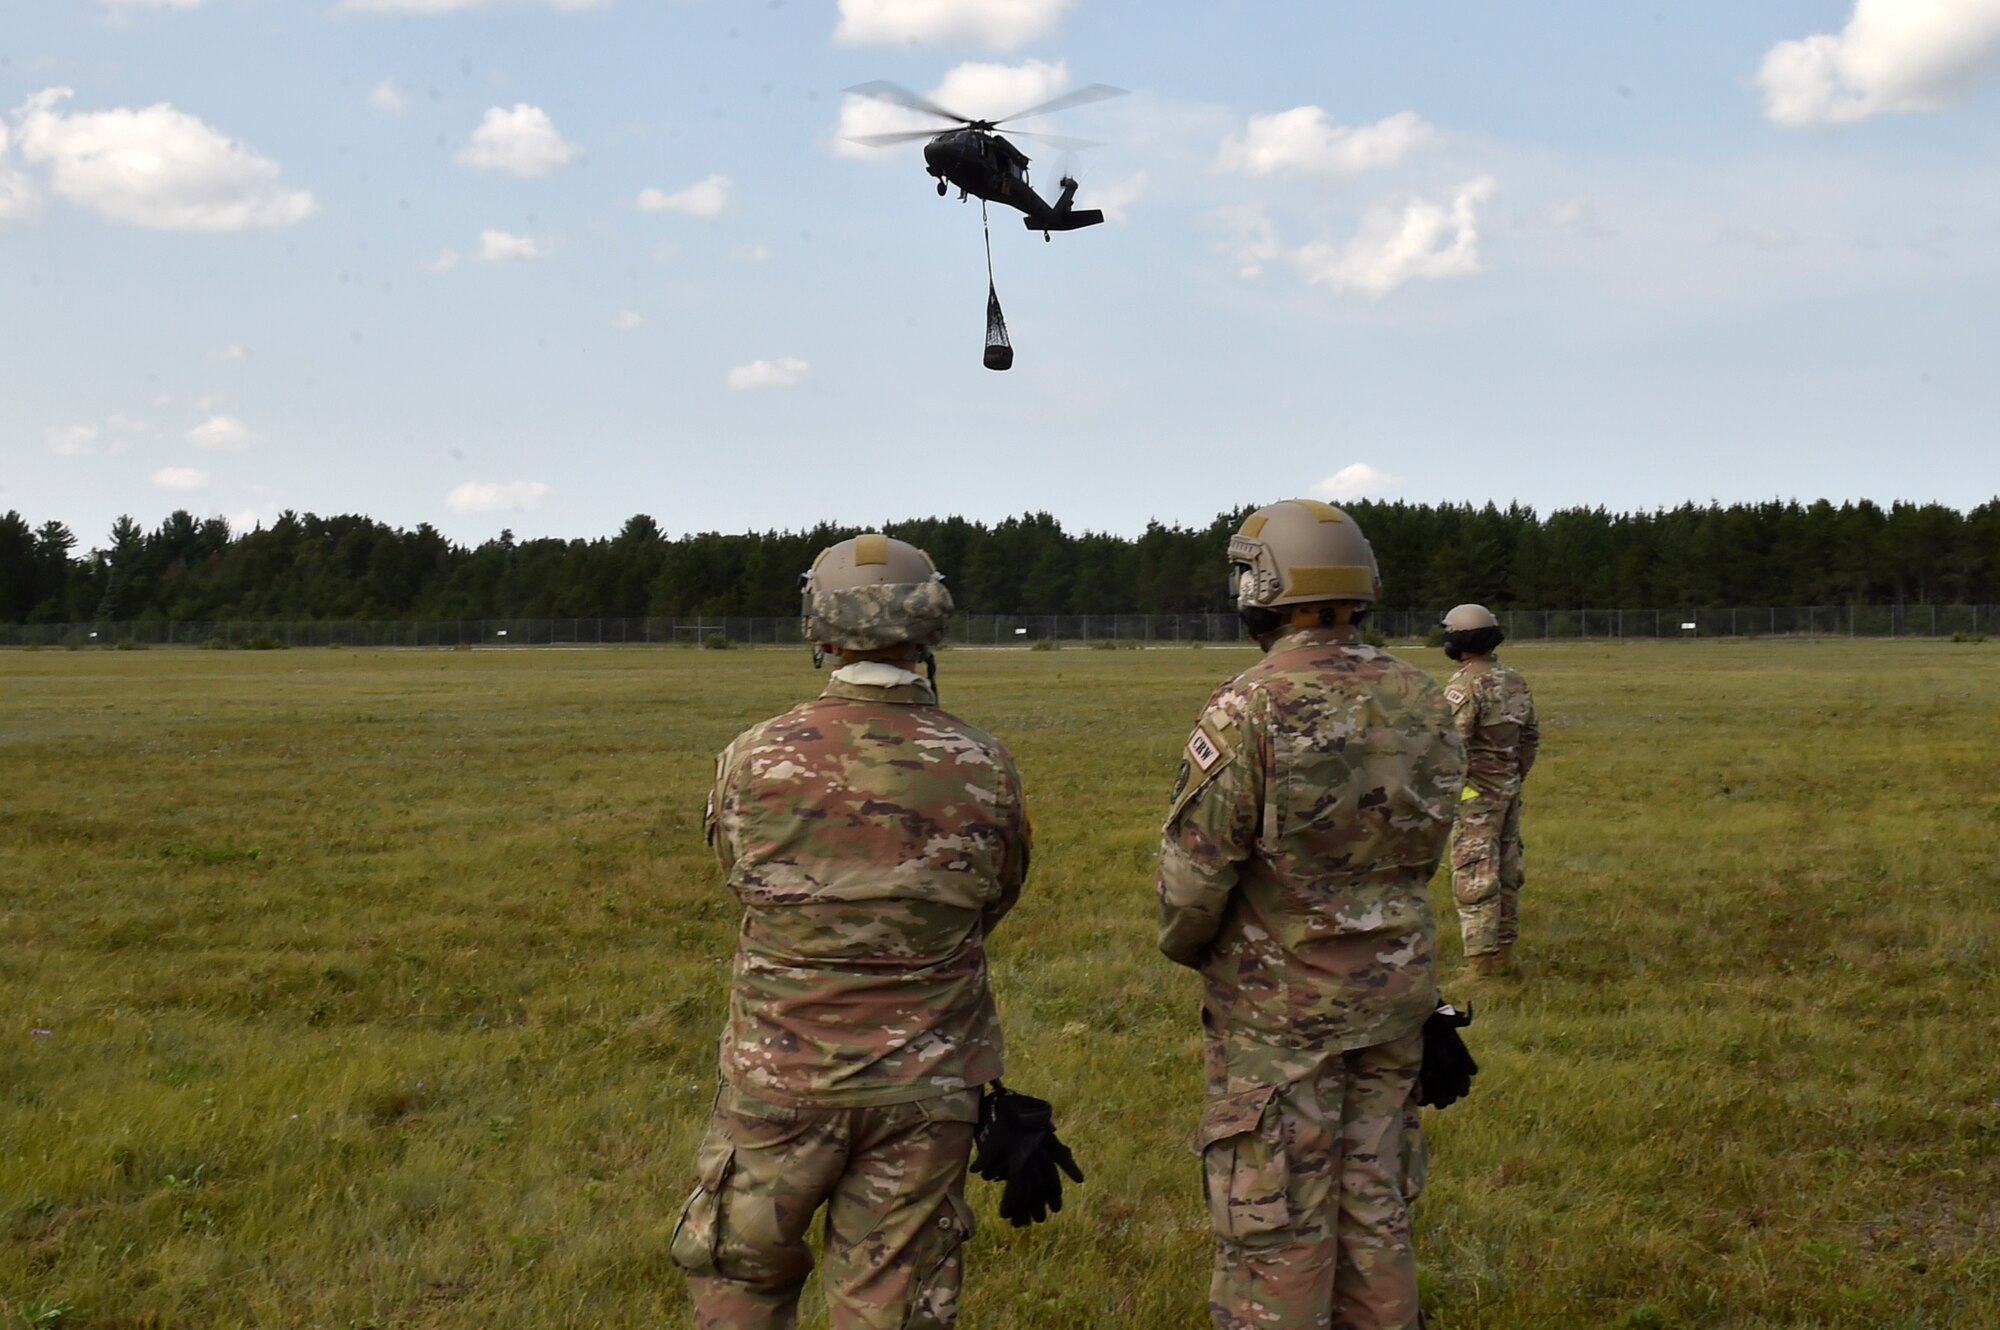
<point>999,351</point>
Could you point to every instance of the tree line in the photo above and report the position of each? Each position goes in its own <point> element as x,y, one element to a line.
<point>303,566</point>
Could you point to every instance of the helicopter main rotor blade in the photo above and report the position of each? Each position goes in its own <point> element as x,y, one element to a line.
<point>1096,92</point>
<point>889,140</point>
<point>1055,140</point>
<point>884,91</point>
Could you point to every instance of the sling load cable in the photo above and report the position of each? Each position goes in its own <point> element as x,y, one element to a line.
<point>999,351</point>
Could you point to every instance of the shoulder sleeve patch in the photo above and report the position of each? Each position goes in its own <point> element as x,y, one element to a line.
<point>1203,750</point>
<point>1457,697</point>
<point>1208,752</point>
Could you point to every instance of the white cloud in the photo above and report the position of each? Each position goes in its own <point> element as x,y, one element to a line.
<point>1115,197</point>
<point>704,198</point>
<point>121,424</point>
<point>1356,481</point>
<point>1392,246</point>
<point>1250,238</point>
<point>971,89</point>
<point>456,6</point>
<point>767,374</point>
<point>180,478</point>
<point>516,496</point>
<point>154,167</point>
<point>72,440</point>
<point>753,253</point>
<point>225,433</point>
<point>446,261</point>
<point>521,142</point>
<point>628,319</point>
<point>506,247</point>
<point>1304,142</point>
<point>234,351</point>
<point>999,25</point>
<point>1893,55</point>
<point>19,196</point>
<point>387,96</point>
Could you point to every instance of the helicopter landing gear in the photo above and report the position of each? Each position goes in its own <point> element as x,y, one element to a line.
<point>940,189</point>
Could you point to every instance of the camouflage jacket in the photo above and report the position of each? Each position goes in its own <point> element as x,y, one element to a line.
<point>1495,717</point>
<point>873,840</point>
<point>1313,807</point>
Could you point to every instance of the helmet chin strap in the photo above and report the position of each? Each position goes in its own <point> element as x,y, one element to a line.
<point>930,668</point>
<point>819,655</point>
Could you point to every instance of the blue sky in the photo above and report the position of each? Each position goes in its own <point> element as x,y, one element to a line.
<point>542,265</point>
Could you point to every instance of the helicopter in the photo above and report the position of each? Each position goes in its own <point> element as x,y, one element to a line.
<point>985,165</point>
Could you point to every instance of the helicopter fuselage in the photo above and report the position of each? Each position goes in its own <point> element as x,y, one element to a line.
<point>987,166</point>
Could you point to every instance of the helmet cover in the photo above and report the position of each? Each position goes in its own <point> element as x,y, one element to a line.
<point>873,591</point>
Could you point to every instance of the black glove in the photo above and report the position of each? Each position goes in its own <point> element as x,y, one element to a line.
<point>1018,1146</point>
<point>1448,1069</point>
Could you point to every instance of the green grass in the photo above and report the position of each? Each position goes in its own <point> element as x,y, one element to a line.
<point>380,989</point>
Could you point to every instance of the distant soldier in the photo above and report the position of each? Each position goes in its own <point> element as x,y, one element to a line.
<point>1311,811</point>
<point>1496,718</point>
<point>873,840</point>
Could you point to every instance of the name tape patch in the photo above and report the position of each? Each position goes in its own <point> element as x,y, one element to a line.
<point>1202,750</point>
<point>1455,697</point>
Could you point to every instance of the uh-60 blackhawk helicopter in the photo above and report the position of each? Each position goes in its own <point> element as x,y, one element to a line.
<point>986,166</point>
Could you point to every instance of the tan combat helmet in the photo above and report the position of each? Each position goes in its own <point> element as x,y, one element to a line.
<point>1465,618</point>
<point>1471,630</point>
<point>1299,552</point>
<point>871,592</point>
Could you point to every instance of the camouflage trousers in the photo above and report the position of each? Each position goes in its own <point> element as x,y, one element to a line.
<point>1309,1189</point>
<point>892,1181</point>
<point>1487,870</point>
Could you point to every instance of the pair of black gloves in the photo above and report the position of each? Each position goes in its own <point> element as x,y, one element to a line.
<point>1017,1146</point>
<point>1448,1068</point>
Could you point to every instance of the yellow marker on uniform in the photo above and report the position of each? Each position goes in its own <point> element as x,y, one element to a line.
<point>1468,794</point>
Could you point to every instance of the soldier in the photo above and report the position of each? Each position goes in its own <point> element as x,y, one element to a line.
<point>1312,808</point>
<point>1496,717</point>
<point>873,840</point>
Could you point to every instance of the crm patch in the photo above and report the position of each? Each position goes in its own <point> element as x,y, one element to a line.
<point>1208,752</point>
<point>1203,751</point>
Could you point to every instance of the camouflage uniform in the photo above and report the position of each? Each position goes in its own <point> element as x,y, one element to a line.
<point>1312,810</point>
<point>1495,716</point>
<point>873,840</point>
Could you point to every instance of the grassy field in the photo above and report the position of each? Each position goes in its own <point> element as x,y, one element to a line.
<point>359,989</point>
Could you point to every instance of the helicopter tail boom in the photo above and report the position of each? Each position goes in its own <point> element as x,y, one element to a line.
<point>1073,219</point>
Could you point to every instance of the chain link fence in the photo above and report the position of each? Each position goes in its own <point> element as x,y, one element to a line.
<point>999,630</point>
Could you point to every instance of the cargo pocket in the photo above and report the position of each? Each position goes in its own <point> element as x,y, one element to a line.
<point>1245,1168</point>
<point>1475,876</point>
<point>934,1299</point>
<point>700,1226</point>
<point>1416,1154</point>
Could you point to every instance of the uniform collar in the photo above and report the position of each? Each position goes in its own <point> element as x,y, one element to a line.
<point>878,681</point>
<point>1293,638</point>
